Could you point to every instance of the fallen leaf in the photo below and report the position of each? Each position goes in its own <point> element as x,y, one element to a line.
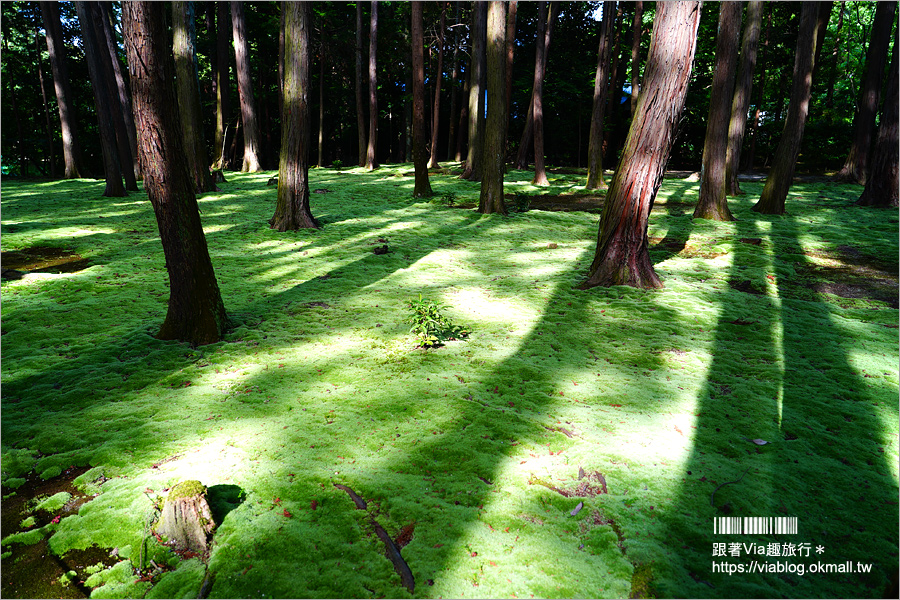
<point>759,442</point>
<point>577,509</point>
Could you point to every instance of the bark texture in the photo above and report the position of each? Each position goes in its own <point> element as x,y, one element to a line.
<point>598,112</point>
<point>537,96</point>
<point>422,187</point>
<point>473,168</point>
<point>740,102</point>
<point>438,75</point>
<point>371,161</point>
<point>526,144</point>
<point>360,103</point>
<point>637,27</point>
<point>774,194</point>
<point>223,84</point>
<point>883,182</point>
<point>195,313</point>
<point>292,210</point>
<point>245,90</point>
<point>491,198</point>
<point>713,203</point>
<point>622,256</point>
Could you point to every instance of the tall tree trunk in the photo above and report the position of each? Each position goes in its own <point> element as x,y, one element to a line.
<point>854,169</point>
<point>360,104</point>
<point>321,158</point>
<point>835,59</point>
<point>511,12</point>
<point>622,256</point>
<point>771,201</point>
<point>71,145</point>
<point>526,144</point>
<point>598,111</point>
<point>713,203</point>
<point>245,89</point>
<point>462,130</point>
<point>292,210</point>
<point>741,99</point>
<point>537,95</point>
<point>223,83</point>
<point>187,91</point>
<point>111,165</point>
<point>436,112</point>
<point>754,124</point>
<point>196,313</point>
<point>883,182</point>
<point>454,91</point>
<point>617,83</point>
<point>371,159</point>
<point>51,153</point>
<point>122,89</point>
<point>473,167</point>
<point>636,27</point>
<point>491,197</point>
<point>422,187</point>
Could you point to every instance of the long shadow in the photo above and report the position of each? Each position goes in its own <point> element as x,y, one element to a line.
<point>785,428</point>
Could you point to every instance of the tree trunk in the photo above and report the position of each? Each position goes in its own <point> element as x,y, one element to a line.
<point>461,130</point>
<point>598,111</point>
<point>473,168</point>
<point>436,112</point>
<point>223,66</point>
<point>774,194</point>
<point>420,152</point>
<point>188,92</point>
<point>526,144</point>
<point>51,154</point>
<point>854,169</point>
<point>122,90</point>
<point>454,92</point>
<point>292,210</point>
<point>371,162</point>
<point>511,12</point>
<point>741,100</point>
<point>102,100</point>
<point>196,313</point>
<point>636,27</point>
<point>360,104</point>
<point>245,90</point>
<point>622,256</point>
<point>321,159</point>
<point>537,94</point>
<point>883,182</point>
<point>71,146</point>
<point>713,203</point>
<point>754,124</point>
<point>835,59</point>
<point>494,158</point>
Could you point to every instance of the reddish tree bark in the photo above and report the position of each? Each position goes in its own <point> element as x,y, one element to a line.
<point>713,203</point>
<point>491,197</point>
<point>105,25</point>
<point>598,112</point>
<point>223,83</point>
<point>741,99</point>
<point>196,313</point>
<point>636,28</point>
<point>422,188</point>
<point>472,170</point>
<point>360,103</point>
<point>883,182</point>
<point>537,95</point>
<point>245,90</point>
<point>774,194</point>
<point>371,162</point>
<point>622,256</point>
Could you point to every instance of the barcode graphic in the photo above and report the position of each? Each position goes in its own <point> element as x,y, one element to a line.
<point>754,525</point>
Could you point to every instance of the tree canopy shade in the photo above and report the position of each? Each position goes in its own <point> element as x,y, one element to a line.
<point>196,313</point>
<point>622,256</point>
<point>292,209</point>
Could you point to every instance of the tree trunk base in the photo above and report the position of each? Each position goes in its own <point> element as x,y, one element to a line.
<point>186,519</point>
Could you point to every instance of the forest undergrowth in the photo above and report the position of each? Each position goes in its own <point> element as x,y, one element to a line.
<point>574,444</point>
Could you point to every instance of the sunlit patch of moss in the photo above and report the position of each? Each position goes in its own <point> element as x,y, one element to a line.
<point>54,502</point>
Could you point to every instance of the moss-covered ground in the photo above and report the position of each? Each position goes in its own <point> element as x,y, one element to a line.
<point>780,330</point>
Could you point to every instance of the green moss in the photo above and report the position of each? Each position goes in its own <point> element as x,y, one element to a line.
<point>54,502</point>
<point>187,489</point>
<point>13,483</point>
<point>26,538</point>
<point>27,522</point>
<point>183,582</point>
<point>51,472</point>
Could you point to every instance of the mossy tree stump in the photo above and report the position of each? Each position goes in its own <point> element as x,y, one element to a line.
<point>186,518</point>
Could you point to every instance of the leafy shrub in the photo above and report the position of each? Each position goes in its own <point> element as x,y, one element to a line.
<point>336,164</point>
<point>429,325</point>
<point>521,202</point>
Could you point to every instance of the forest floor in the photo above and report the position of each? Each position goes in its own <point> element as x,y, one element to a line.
<point>576,444</point>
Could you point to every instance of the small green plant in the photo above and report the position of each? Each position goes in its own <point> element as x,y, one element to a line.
<point>521,202</point>
<point>448,198</point>
<point>336,164</point>
<point>430,326</point>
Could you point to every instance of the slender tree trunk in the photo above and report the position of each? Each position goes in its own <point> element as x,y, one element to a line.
<point>196,313</point>
<point>773,196</point>
<point>741,99</point>
<point>187,90</point>
<point>636,27</point>
<point>292,210</point>
<point>526,144</point>
<point>371,159</point>
<point>835,59</point>
<point>102,99</point>
<point>223,105</point>
<point>601,85</point>
<point>491,198</point>
<point>622,256</point>
<point>854,169</point>
<point>360,104</point>
<point>51,153</point>
<point>122,89</point>
<point>71,146</point>
<point>472,170</point>
<point>511,12</point>
<point>462,131</point>
<point>321,159</point>
<point>713,203</point>
<point>419,133</point>
<point>537,94</point>
<point>883,182</point>
<point>754,125</point>
<point>617,82</point>
<point>454,92</point>
<point>245,88</point>
<point>436,112</point>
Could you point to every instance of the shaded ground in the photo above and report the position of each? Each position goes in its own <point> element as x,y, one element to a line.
<point>41,259</point>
